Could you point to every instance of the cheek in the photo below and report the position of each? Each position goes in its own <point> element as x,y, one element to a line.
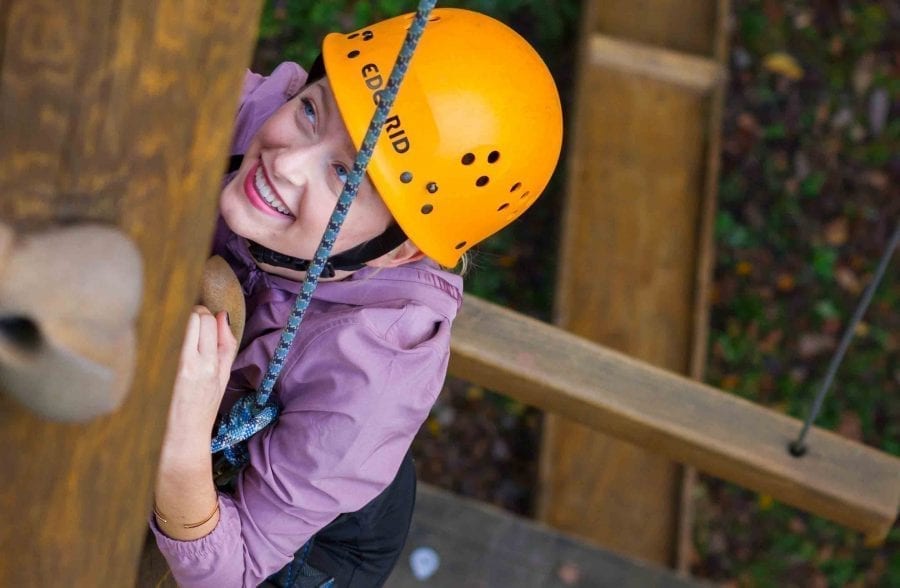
<point>278,129</point>
<point>367,219</point>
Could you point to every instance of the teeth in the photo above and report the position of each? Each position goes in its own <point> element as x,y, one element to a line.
<point>267,193</point>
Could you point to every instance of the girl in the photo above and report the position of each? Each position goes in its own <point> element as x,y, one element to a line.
<point>472,139</point>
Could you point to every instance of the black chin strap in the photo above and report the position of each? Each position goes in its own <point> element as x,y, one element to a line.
<point>350,260</point>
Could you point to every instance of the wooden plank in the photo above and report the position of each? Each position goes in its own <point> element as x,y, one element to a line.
<point>630,249</point>
<point>688,27</point>
<point>481,545</point>
<point>630,245</point>
<point>115,111</point>
<point>685,420</point>
<point>698,74</point>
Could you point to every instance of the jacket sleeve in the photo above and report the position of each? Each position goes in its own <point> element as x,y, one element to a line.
<point>353,401</point>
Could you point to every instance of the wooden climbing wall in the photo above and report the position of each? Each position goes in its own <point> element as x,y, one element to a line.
<point>635,254</point>
<point>117,112</point>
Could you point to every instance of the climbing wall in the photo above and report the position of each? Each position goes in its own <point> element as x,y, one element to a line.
<point>117,113</point>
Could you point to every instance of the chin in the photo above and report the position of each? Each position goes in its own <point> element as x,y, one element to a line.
<point>234,217</point>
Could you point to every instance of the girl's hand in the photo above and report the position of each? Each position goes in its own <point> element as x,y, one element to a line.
<point>206,357</point>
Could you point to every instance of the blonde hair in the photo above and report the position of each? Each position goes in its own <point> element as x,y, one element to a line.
<point>462,266</point>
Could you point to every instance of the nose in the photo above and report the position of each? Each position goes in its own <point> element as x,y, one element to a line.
<point>292,165</point>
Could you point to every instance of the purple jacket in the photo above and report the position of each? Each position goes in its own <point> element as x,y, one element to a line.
<point>365,368</point>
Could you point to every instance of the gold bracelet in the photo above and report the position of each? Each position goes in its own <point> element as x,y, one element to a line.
<point>164,520</point>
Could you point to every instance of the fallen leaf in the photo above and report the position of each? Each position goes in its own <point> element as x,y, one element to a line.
<point>796,525</point>
<point>863,73</point>
<point>847,279</point>
<point>836,45</point>
<point>783,64</point>
<point>813,344</point>
<point>818,580</point>
<point>770,342</point>
<point>730,382</point>
<point>842,119</point>
<point>747,123</point>
<point>803,18</point>
<point>850,425</point>
<point>785,282</point>
<point>832,326</point>
<point>876,179</point>
<point>836,231</point>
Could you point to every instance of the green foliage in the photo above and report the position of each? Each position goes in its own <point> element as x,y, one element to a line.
<point>812,184</point>
<point>731,232</point>
<point>824,259</point>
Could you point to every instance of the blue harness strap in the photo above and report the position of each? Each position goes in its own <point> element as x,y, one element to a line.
<point>251,414</point>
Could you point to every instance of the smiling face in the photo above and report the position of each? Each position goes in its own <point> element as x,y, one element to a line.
<point>291,177</point>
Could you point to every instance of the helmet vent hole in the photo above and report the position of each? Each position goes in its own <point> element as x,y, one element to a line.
<point>353,54</point>
<point>524,194</point>
<point>427,209</point>
<point>468,159</point>
<point>482,181</point>
<point>432,187</point>
<point>493,156</point>
<point>503,206</point>
<point>460,245</point>
<point>515,186</point>
<point>406,177</point>
<point>352,35</point>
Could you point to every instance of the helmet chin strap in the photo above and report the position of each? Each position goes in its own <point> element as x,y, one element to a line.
<point>349,260</point>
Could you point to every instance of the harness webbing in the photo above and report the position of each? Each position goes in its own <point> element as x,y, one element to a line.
<point>250,414</point>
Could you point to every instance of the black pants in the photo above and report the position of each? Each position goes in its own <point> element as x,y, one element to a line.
<point>357,549</point>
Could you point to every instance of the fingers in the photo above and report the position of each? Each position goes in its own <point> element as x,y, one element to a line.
<point>227,348</point>
<point>192,334</point>
<point>227,344</point>
<point>207,338</point>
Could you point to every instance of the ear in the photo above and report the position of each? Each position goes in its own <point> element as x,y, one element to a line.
<point>405,253</point>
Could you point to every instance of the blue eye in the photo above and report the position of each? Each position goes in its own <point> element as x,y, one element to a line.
<point>342,172</point>
<point>309,111</point>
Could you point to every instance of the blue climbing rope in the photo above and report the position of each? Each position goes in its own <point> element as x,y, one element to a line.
<point>251,414</point>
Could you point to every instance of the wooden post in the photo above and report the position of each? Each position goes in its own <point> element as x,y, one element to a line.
<point>117,112</point>
<point>639,177</point>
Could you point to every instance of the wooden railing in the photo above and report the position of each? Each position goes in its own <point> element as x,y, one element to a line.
<point>685,420</point>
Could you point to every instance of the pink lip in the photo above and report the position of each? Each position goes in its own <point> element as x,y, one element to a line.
<point>254,197</point>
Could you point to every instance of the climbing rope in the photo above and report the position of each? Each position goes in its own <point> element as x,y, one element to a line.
<point>797,448</point>
<point>250,414</point>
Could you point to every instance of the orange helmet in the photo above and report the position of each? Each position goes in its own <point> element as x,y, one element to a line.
<point>474,133</point>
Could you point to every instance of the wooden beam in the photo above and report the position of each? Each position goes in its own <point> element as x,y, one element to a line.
<point>117,112</point>
<point>698,74</point>
<point>692,423</point>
